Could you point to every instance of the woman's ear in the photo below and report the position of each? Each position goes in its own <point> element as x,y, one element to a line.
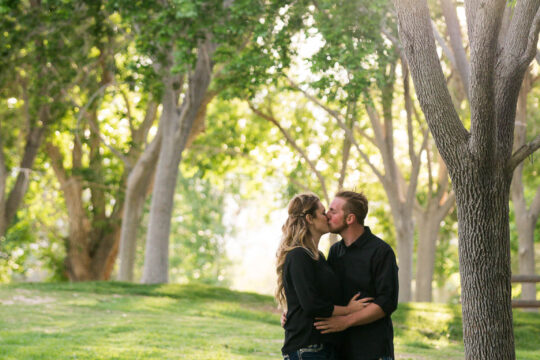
<point>309,218</point>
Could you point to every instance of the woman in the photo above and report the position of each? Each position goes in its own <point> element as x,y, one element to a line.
<point>307,286</point>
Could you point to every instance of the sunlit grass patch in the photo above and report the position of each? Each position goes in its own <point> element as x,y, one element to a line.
<point>130,321</point>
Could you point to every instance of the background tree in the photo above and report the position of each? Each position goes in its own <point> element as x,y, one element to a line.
<point>480,160</point>
<point>37,47</point>
<point>526,215</point>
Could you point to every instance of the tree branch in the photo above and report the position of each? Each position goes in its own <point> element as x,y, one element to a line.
<point>522,38</point>
<point>416,35</point>
<point>446,50</point>
<point>117,153</point>
<point>445,207</point>
<point>333,113</point>
<point>532,40</point>
<point>128,107</point>
<point>295,146</point>
<point>535,205</point>
<point>57,162</point>
<point>523,152</point>
<point>456,42</point>
<point>140,134</point>
<point>483,49</point>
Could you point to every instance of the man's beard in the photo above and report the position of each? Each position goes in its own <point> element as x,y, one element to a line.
<point>340,228</point>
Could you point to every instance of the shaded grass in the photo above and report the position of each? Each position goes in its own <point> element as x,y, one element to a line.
<point>110,320</point>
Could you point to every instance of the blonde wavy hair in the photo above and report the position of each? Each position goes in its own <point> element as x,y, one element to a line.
<point>295,233</point>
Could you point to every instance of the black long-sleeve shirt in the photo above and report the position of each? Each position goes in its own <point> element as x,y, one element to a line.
<point>311,289</point>
<point>368,266</point>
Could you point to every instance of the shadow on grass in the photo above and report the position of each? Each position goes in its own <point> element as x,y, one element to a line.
<point>189,291</point>
<point>427,325</point>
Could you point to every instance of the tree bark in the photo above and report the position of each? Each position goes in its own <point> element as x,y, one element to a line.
<point>138,184</point>
<point>78,259</point>
<point>34,139</point>
<point>176,130</point>
<point>480,162</point>
<point>484,252</point>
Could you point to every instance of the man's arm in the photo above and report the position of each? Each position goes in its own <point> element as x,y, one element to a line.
<point>385,302</point>
<point>369,314</point>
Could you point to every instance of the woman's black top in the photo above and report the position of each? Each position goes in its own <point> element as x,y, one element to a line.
<point>311,289</point>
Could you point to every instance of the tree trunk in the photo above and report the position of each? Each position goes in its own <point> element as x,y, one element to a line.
<point>34,140</point>
<point>525,218</point>
<point>138,184</point>
<point>404,225</point>
<point>484,254</point>
<point>156,261</point>
<point>428,231</point>
<point>78,259</point>
<point>429,218</point>
<point>3,178</point>
<point>176,130</point>
<point>480,161</point>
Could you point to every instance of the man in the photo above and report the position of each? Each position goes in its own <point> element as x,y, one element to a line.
<point>366,266</point>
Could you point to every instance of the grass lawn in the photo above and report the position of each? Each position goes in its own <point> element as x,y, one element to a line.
<point>112,320</point>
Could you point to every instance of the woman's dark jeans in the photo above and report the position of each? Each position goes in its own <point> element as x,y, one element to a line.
<point>313,352</point>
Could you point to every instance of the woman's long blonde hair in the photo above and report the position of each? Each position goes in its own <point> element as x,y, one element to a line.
<point>295,233</point>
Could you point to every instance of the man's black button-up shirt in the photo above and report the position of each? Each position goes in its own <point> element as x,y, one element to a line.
<point>368,266</point>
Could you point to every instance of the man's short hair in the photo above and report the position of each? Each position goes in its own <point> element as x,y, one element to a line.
<point>355,203</point>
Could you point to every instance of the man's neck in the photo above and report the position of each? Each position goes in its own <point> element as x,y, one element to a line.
<point>351,233</point>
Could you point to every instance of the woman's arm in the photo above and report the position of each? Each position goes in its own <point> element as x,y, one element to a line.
<point>353,306</point>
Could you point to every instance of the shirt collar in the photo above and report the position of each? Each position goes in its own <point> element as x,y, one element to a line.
<point>362,239</point>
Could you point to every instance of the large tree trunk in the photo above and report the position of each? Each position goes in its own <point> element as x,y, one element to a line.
<point>176,129</point>
<point>484,257</point>
<point>480,161</point>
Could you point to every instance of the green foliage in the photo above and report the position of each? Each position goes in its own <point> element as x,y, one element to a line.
<point>34,245</point>
<point>198,233</point>
<point>353,54</point>
<point>269,53</point>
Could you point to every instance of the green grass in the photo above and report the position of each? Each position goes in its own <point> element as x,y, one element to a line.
<point>110,320</point>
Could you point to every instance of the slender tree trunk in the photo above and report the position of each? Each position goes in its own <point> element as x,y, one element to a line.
<point>429,218</point>
<point>3,177</point>
<point>525,218</point>
<point>156,262</point>
<point>404,225</point>
<point>428,231</point>
<point>525,226</point>
<point>10,206</point>
<point>176,130</point>
<point>78,259</point>
<point>138,184</point>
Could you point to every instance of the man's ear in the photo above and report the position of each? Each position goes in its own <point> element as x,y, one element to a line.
<point>350,219</point>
